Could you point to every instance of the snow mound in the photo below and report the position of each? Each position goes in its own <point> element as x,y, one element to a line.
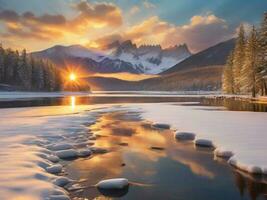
<point>161,126</point>
<point>84,153</point>
<point>243,133</point>
<point>253,169</point>
<point>54,169</point>
<point>220,152</point>
<point>67,154</point>
<point>59,147</point>
<point>184,136</point>
<point>204,143</point>
<point>62,181</point>
<point>116,183</point>
<point>53,158</point>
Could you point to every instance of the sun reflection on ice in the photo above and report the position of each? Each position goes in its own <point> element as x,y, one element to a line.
<point>73,102</point>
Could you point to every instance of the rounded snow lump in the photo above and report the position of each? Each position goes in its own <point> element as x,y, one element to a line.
<point>110,184</point>
<point>161,126</point>
<point>54,169</point>
<point>85,152</point>
<point>53,158</point>
<point>62,181</point>
<point>184,136</point>
<point>223,153</point>
<point>66,154</point>
<point>204,143</point>
<point>58,147</point>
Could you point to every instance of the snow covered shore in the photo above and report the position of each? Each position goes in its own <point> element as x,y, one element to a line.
<point>33,140</point>
<point>240,133</point>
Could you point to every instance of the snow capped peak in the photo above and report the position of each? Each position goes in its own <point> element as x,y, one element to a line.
<point>151,58</point>
<point>122,56</point>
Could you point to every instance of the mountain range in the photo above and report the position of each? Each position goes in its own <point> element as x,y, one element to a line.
<point>176,67</point>
<point>117,57</point>
<point>201,71</point>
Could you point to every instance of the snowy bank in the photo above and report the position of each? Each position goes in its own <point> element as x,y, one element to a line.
<point>242,134</point>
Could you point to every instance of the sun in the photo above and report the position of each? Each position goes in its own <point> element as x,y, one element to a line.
<point>72,77</point>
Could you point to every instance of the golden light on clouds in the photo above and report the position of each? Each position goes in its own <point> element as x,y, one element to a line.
<point>97,24</point>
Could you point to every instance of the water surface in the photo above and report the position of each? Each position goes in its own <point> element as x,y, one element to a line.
<point>159,166</point>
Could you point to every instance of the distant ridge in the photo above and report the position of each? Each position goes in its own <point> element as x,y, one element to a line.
<point>212,56</point>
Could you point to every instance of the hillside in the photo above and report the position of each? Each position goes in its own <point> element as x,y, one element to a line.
<point>206,78</point>
<point>213,56</point>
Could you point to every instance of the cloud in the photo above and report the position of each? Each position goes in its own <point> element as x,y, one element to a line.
<point>89,16</point>
<point>201,32</point>
<point>102,14</point>
<point>9,15</point>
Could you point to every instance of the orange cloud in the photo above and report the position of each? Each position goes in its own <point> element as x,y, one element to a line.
<point>200,33</point>
<point>101,14</point>
<point>50,27</point>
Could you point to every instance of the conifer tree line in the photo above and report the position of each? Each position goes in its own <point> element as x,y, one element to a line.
<point>28,73</point>
<point>246,67</point>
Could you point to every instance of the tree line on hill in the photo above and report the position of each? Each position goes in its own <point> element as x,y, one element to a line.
<point>27,73</point>
<point>246,68</point>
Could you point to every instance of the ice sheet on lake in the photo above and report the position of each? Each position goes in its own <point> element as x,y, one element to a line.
<point>243,133</point>
<point>27,133</point>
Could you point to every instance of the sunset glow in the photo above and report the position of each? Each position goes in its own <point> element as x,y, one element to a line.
<point>72,77</point>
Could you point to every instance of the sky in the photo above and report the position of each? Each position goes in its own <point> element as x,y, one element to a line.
<point>38,24</point>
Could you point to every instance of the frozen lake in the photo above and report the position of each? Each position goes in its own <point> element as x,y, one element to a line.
<point>112,135</point>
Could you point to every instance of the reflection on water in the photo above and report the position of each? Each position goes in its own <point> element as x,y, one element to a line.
<point>73,102</point>
<point>229,104</point>
<point>170,170</point>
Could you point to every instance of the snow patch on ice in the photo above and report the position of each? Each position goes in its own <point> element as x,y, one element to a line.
<point>203,143</point>
<point>116,183</point>
<point>184,135</point>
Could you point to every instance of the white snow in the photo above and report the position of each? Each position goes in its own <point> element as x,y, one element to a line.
<point>54,169</point>
<point>66,154</point>
<point>219,152</point>
<point>84,153</point>
<point>116,183</point>
<point>204,143</point>
<point>57,147</point>
<point>26,163</point>
<point>184,136</point>
<point>161,126</point>
<point>62,181</point>
<point>26,132</point>
<point>243,133</point>
<point>53,158</point>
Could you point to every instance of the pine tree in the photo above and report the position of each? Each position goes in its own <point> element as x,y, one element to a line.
<point>2,55</point>
<point>228,76</point>
<point>250,73</point>
<point>28,73</point>
<point>238,59</point>
<point>23,70</point>
<point>263,54</point>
